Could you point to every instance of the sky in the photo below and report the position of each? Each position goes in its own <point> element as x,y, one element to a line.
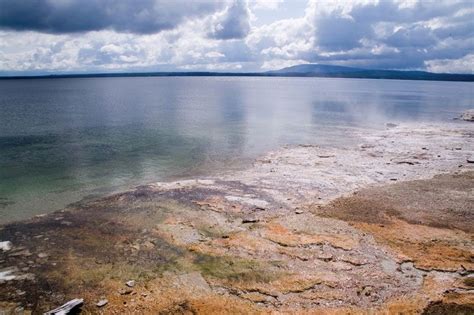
<point>75,36</point>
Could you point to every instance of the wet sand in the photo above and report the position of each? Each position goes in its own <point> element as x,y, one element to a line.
<point>383,226</point>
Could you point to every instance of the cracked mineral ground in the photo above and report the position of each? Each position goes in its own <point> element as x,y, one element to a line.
<point>384,226</point>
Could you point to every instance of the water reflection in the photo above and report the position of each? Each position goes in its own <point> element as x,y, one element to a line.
<point>64,139</point>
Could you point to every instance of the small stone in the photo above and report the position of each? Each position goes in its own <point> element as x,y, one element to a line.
<point>250,220</point>
<point>125,291</point>
<point>42,255</point>
<point>22,252</point>
<point>299,211</point>
<point>130,283</point>
<point>102,302</point>
<point>470,159</point>
<point>5,246</point>
<point>468,115</point>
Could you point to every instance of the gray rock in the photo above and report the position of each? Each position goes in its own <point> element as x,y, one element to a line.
<point>5,246</point>
<point>130,283</point>
<point>468,115</point>
<point>470,159</point>
<point>102,302</point>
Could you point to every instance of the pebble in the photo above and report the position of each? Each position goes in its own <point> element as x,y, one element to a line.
<point>130,283</point>
<point>250,220</point>
<point>102,302</point>
<point>42,255</point>
<point>299,211</point>
<point>125,291</point>
<point>470,159</point>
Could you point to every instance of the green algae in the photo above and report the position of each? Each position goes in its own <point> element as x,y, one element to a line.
<point>234,269</point>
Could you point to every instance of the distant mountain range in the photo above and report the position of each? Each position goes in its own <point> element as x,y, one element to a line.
<point>316,70</point>
<point>304,70</point>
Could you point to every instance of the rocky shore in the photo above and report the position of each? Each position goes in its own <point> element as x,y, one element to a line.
<point>382,226</point>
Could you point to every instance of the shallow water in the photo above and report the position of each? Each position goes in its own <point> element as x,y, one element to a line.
<point>62,140</point>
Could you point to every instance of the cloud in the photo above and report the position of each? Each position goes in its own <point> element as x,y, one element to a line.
<point>69,16</point>
<point>336,32</point>
<point>233,23</point>
<point>389,34</point>
<point>453,66</point>
<point>163,35</point>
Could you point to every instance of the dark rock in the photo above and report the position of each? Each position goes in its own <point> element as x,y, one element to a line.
<point>250,220</point>
<point>125,291</point>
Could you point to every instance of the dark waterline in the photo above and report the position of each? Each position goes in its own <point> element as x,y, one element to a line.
<point>63,140</point>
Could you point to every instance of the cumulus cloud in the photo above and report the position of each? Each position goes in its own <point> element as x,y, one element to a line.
<point>68,16</point>
<point>233,23</point>
<point>372,34</point>
<point>462,65</point>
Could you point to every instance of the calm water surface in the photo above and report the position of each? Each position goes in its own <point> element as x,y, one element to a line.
<point>62,140</point>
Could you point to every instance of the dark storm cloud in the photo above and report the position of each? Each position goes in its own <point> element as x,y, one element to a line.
<point>68,16</point>
<point>336,32</point>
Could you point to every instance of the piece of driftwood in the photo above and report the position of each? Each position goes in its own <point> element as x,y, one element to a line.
<point>66,308</point>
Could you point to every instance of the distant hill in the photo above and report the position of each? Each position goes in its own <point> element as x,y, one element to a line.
<point>305,70</point>
<point>317,70</point>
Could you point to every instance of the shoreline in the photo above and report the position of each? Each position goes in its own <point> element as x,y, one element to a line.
<point>279,236</point>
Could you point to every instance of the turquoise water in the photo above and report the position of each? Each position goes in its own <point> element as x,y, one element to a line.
<point>62,140</point>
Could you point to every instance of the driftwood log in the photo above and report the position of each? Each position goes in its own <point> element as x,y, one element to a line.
<point>66,308</point>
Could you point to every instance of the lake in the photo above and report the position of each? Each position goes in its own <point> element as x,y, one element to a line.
<point>65,140</point>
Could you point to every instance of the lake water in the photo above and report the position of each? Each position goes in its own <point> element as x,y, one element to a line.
<point>62,140</point>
